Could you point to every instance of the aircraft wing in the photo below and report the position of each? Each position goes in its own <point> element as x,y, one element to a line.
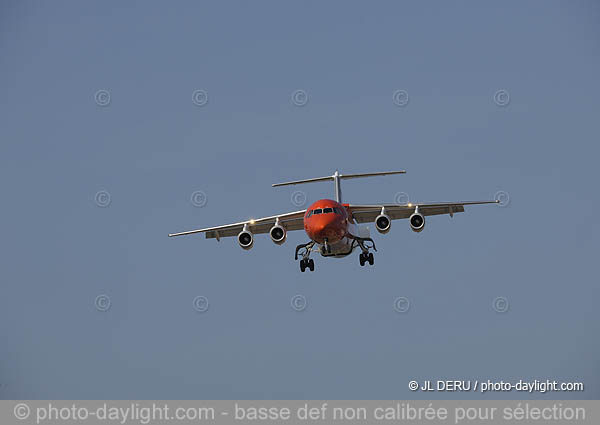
<point>368,213</point>
<point>290,221</point>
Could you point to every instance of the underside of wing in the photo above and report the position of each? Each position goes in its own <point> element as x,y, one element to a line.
<point>368,213</point>
<point>290,221</point>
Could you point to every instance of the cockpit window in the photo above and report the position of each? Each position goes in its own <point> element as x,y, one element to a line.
<point>336,210</point>
<point>327,210</point>
<point>309,213</point>
<point>318,211</point>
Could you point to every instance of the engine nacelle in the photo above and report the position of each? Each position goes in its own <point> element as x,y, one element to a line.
<point>245,239</point>
<point>417,222</point>
<point>278,234</point>
<point>383,223</point>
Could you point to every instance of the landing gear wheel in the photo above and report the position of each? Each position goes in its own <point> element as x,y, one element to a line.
<point>307,263</point>
<point>371,259</point>
<point>361,259</point>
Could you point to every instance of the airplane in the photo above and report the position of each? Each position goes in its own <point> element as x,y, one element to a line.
<point>334,228</point>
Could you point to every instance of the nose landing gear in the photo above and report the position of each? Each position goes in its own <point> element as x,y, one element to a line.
<point>326,248</point>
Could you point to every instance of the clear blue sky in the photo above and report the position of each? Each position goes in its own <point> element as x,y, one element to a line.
<point>151,147</point>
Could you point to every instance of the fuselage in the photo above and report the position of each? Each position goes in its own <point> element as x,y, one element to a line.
<point>326,221</point>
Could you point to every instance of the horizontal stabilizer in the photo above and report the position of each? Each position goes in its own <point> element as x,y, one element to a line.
<point>380,173</point>
<point>337,177</point>
<point>316,179</point>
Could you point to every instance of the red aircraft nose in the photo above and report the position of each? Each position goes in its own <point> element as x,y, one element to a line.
<point>325,226</point>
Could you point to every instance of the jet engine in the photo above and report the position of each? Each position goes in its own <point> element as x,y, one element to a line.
<point>245,239</point>
<point>383,223</point>
<point>417,222</point>
<point>278,234</point>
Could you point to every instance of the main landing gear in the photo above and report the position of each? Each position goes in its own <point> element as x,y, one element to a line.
<point>305,262</point>
<point>365,256</point>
